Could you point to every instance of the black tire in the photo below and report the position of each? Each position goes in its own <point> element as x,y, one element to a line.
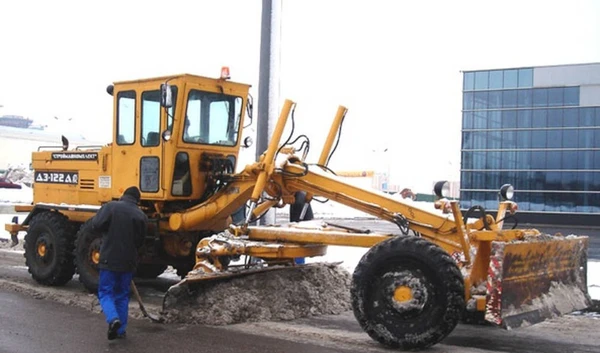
<point>87,256</point>
<point>435,303</point>
<point>49,249</point>
<point>150,271</point>
<point>297,206</point>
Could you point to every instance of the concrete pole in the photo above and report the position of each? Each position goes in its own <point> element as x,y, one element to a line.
<point>268,84</point>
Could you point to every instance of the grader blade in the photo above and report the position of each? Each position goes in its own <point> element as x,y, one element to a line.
<point>536,279</point>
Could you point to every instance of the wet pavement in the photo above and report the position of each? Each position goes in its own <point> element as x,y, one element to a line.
<point>30,325</point>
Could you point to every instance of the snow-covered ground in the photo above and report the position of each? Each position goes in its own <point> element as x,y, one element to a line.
<point>349,256</point>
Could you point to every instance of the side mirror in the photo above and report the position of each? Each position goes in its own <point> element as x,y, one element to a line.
<point>166,95</point>
<point>249,109</point>
<point>247,142</point>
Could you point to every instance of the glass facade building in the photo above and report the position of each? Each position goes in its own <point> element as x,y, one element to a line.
<point>536,128</point>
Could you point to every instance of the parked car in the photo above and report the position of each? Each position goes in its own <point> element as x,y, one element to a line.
<point>7,184</point>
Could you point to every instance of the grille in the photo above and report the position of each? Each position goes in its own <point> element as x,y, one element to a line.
<point>86,183</point>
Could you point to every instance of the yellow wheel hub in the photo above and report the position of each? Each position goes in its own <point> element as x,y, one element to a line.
<point>41,250</point>
<point>403,294</point>
<point>95,257</point>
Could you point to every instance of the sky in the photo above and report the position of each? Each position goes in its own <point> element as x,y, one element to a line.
<point>396,65</point>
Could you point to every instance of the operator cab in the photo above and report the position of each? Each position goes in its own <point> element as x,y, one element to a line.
<point>174,137</point>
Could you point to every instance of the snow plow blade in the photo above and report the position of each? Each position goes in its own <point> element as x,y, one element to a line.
<point>536,279</point>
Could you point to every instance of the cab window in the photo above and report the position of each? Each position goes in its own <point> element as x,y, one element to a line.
<point>126,117</point>
<point>150,118</point>
<point>212,118</point>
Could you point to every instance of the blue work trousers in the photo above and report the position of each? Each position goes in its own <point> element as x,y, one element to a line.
<point>113,293</point>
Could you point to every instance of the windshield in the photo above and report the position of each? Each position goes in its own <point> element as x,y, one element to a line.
<point>212,118</point>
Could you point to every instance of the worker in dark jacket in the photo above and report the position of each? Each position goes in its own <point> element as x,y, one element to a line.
<point>123,226</point>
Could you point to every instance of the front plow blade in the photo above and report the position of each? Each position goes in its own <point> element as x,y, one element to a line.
<point>536,279</point>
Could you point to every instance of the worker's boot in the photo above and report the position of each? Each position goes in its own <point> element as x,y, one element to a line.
<point>113,327</point>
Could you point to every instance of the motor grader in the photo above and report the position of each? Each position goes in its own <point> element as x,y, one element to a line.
<point>178,139</point>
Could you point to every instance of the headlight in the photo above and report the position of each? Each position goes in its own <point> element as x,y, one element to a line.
<point>166,135</point>
<point>507,192</point>
<point>441,189</point>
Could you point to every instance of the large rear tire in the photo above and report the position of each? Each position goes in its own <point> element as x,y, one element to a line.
<point>407,293</point>
<point>49,249</point>
<point>87,256</point>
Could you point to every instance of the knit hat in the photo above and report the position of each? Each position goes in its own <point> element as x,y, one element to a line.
<point>134,192</point>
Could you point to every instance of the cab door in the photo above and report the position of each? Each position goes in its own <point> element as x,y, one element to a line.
<point>138,150</point>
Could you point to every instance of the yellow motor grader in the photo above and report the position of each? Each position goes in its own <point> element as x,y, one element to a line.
<point>178,139</point>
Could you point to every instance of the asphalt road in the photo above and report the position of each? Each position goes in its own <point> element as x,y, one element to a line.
<point>30,325</point>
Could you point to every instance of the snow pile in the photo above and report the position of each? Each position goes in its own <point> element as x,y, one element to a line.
<point>277,295</point>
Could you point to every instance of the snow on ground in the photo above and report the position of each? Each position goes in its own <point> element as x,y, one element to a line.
<point>21,196</point>
<point>349,256</point>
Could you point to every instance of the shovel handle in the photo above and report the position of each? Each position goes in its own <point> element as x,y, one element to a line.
<point>142,308</point>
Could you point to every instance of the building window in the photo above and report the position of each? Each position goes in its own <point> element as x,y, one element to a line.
<point>468,101</point>
<point>496,79</point>
<point>555,117</point>
<point>469,81</point>
<point>480,100</point>
<point>524,138</point>
<point>571,97</point>
<point>570,138</point>
<point>571,117</point>
<point>524,98</point>
<point>509,119</point>
<point>524,118</point>
<point>467,122</point>
<point>509,98</point>
<point>495,100</point>
<point>511,79</point>
<point>540,97</point>
<point>525,77</point>
<point>556,97</point>
<point>480,120</point>
<point>481,80</point>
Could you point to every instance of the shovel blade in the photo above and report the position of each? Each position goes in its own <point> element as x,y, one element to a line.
<point>536,279</point>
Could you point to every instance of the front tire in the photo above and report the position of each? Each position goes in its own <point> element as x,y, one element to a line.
<point>407,293</point>
<point>87,256</point>
<point>49,249</point>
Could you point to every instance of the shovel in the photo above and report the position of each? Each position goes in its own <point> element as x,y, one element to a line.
<point>142,308</point>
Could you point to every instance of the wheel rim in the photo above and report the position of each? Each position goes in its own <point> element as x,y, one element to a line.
<point>43,249</point>
<point>406,292</point>
<point>94,257</point>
